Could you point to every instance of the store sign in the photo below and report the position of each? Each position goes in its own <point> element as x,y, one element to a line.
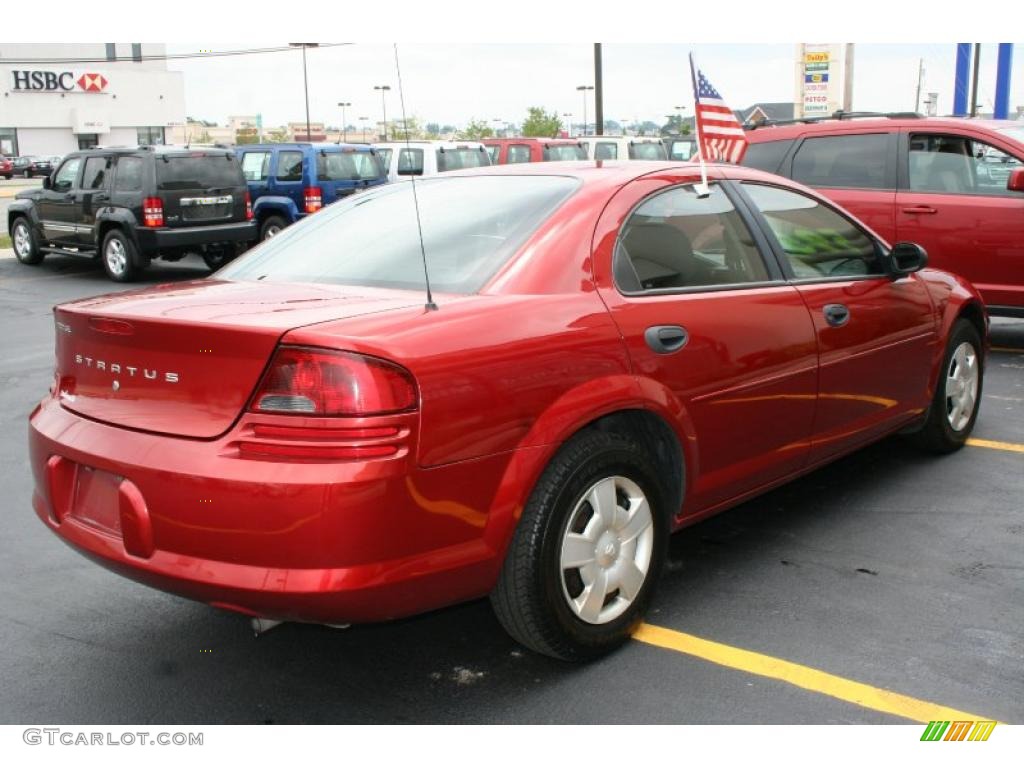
<point>47,81</point>
<point>824,77</point>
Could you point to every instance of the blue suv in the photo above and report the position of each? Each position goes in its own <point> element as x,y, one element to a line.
<point>288,181</point>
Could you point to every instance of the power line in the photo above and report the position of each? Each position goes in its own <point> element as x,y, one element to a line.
<point>162,57</point>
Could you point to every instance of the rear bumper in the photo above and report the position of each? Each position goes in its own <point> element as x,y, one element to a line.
<point>328,542</point>
<point>154,240</point>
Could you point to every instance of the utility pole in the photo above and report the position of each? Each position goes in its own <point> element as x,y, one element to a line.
<point>920,77</point>
<point>583,89</point>
<point>974,80</point>
<point>305,80</point>
<point>383,105</point>
<point>598,93</point>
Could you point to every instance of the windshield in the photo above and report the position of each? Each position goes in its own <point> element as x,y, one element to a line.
<point>347,166</point>
<point>463,157</point>
<point>565,152</point>
<point>650,150</point>
<point>198,172</point>
<point>471,226</point>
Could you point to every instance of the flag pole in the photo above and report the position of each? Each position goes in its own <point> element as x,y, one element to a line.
<point>702,189</point>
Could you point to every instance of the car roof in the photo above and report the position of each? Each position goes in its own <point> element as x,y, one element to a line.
<point>318,145</point>
<point>530,139</point>
<point>430,143</point>
<point>772,132</point>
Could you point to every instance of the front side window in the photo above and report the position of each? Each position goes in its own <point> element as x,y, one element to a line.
<point>958,165</point>
<point>65,178</point>
<point>289,166</point>
<point>517,153</point>
<point>128,177</point>
<point>606,150</point>
<point>493,150</point>
<point>817,241</point>
<point>857,161</point>
<point>471,226</point>
<point>385,157</point>
<point>676,240</point>
<point>410,162</point>
<point>95,176</point>
<point>256,166</point>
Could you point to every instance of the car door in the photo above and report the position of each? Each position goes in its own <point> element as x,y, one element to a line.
<point>93,195</point>
<point>876,336</point>
<point>856,170</point>
<point>58,207</point>
<point>953,201</point>
<point>256,170</point>
<point>710,322</point>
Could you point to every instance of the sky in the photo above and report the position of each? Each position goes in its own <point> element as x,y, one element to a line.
<point>454,83</point>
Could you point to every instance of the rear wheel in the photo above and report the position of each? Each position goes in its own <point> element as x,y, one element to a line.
<point>272,225</point>
<point>954,407</point>
<point>583,564</point>
<point>120,257</point>
<point>23,239</point>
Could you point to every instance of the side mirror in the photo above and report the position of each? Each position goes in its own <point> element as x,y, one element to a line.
<point>1015,183</point>
<point>906,258</point>
<point>47,184</point>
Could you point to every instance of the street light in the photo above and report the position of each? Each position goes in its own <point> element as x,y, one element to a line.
<point>569,115</point>
<point>344,128</point>
<point>583,89</point>
<point>362,125</point>
<point>384,107</point>
<point>305,79</point>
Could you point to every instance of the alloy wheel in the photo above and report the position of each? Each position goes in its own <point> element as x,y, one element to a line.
<point>117,259</point>
<point>961,386</point>
<point>22,241</point>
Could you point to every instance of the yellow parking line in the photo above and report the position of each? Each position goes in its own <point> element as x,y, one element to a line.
<point>807,678</point>
<point>1014,350</point>
<point>996,445</point>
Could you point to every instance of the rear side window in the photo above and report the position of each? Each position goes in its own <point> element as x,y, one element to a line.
<point>128,177</point>
<point>676,239</point>
<point>817,241</point>
<point>606,150</point>
<point>289,166</point>
<point>857,161</point>
<point>565,152</point>
<point>518,153</point>
<point>466,157</point>
<point>198,171</point>
<point>767,155</point>
<point>647,150</point>
<point>96,175</point>
<point>256,166</point>
<point>347,166</point>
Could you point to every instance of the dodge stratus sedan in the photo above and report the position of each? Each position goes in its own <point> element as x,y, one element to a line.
<point>612,353</point>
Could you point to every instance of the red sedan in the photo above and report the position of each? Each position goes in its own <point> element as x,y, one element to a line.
<point>612,356</point>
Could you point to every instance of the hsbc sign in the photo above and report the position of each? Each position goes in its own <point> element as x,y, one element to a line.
<point>29,80</point>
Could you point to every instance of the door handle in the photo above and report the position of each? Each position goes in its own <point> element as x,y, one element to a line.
<point>836,314</point>
<point>920,209</point>
<point>665,339</point>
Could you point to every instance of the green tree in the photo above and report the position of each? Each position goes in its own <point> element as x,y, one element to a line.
<point>540,123</point>
<point>476,130</point>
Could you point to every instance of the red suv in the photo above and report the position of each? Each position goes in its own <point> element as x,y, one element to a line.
<point>953,185</point>
<point>524,150</point>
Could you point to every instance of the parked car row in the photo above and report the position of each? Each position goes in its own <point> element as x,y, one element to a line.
<point>28,166</point>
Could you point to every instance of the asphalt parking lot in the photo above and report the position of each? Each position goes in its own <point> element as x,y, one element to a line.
<point>899,572</point>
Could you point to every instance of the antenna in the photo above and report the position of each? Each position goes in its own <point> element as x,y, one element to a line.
<point>702,189</point>
<point>430,305</point>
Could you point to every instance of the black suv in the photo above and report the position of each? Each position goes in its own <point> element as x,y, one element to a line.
<point>130,205</point>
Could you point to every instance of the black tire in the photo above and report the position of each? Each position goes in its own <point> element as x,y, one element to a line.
<point>532,597</point>
<point>123,268</point>
<point>939,434</point>
<point>32,255</point>
<point>271,226</point>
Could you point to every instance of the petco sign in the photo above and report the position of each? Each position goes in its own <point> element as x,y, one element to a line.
<point>59,82</point>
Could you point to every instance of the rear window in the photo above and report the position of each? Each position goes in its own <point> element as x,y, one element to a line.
<point>653,150</point>
<point>857,161</point>
<point>457,159</point>
<point>347,166</point>
<point>767,155</point>
<point>198,172</point>
<point>471,227</point>
<point>565,152</point>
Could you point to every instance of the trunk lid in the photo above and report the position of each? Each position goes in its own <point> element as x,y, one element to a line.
<point>184,359</point>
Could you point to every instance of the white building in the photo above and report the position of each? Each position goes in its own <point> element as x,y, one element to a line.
<point>59,97</point>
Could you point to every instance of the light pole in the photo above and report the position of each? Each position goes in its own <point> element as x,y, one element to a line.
<point>383,105</point>
<point>583,89</point>
<point>569,115</point>
<point>680,108</point>
<point>305,79</point>
<point>344,128</point>
<point>362,125</point>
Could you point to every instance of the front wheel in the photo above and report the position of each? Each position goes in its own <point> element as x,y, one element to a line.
<point>954,407</point>
<point>582,566</point>
<point>26,247</point>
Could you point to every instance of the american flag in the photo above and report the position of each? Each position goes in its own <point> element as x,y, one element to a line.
<point>721,135</point>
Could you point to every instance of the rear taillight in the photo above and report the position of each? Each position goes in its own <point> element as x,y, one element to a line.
<point>248,206</point>
<point>152,212</point>
<point>308,381</point>
<point>314,199</point>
